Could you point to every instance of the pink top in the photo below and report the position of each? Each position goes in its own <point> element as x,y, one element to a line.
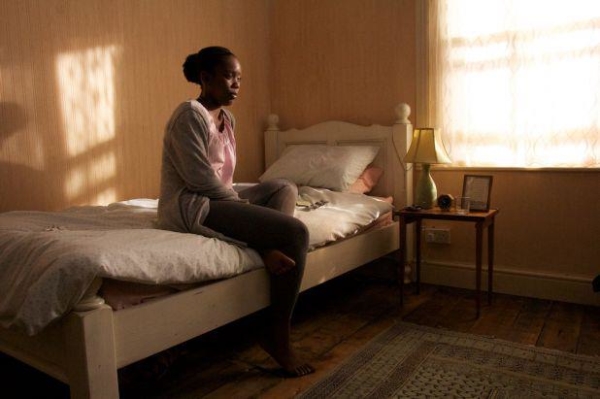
<point>221,151</point>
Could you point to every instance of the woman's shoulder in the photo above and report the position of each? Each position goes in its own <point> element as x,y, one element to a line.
<point>189,106</point>
<point>187,115</point>
<point>190,109</point>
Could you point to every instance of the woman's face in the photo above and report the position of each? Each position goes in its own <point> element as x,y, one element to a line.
<point>223,84</point>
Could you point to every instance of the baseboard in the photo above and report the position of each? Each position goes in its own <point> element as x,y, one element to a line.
<point>574,289</point>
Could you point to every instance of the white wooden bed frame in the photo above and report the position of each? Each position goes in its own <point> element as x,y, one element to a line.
<point>87,346</point>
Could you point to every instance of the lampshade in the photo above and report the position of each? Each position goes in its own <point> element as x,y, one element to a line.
<point>426,147</point>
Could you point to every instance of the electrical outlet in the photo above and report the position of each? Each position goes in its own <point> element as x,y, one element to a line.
<point>437,236</point>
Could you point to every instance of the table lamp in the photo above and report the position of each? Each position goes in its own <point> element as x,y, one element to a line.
<point>426,148</point>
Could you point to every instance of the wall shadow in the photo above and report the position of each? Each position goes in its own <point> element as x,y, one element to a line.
<point>20,187</point>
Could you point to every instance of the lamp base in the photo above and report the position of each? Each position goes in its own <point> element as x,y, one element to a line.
<point>426,191</point>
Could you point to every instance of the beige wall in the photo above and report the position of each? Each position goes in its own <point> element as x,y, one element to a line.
<point>87,86</point>
<point>95,138</point>
<point>354,60</point>
<point>549,221</point>
<point>350,60</point>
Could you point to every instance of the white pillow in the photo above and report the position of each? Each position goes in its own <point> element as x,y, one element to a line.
<point>332,167</point>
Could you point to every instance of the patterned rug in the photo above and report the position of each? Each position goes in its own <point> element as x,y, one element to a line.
<point>410,361</point>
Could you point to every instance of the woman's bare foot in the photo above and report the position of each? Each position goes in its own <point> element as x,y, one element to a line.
<point>277,345</point>
<point>277,262</point>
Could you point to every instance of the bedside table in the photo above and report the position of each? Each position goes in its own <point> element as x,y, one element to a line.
<point>482,221</point>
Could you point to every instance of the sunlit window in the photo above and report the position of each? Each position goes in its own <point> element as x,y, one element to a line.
<point>518,82</point>
<point>87,87</point>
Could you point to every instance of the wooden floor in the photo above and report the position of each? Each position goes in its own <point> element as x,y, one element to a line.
<point>331,322</point>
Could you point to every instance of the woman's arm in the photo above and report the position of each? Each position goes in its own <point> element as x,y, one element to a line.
<point>187,143</point>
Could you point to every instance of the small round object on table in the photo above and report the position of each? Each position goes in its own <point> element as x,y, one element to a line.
<point>444,201</point>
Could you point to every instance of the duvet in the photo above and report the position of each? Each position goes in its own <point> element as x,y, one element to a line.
<point>49,259</point>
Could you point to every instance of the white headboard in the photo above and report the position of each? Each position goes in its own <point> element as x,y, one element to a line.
<point>392,140</point>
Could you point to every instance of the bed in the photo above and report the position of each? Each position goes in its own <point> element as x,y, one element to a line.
<point>85,346</point>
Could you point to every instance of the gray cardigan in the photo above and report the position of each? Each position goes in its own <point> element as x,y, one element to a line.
<point>188,182</point>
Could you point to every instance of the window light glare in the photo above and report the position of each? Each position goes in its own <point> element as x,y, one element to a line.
<point>522,71</point>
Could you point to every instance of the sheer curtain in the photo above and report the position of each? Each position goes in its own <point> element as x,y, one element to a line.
<point>512,83</point>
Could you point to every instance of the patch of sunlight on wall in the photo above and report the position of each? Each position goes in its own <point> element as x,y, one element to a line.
<point>98,170</point>
<point>86,82</point>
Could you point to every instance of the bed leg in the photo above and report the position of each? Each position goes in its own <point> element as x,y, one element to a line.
<point>91,358</point>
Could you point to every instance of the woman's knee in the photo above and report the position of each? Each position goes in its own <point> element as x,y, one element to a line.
<point>299,233</point>
<point>281,188</point>
<point>282,195</point>
<point>286,187</point>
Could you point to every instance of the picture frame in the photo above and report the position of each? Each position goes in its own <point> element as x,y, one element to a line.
<point>479,189</point>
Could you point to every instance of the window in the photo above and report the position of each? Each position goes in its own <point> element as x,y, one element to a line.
<point>512,83</point>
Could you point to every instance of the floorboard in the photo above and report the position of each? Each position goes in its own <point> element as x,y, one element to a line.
<point>331,323</point>
<point>562,327</point>
<point>589,337</point>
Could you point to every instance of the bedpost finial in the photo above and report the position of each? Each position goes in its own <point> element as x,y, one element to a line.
<point>273,121</point>
<point>402,113</point>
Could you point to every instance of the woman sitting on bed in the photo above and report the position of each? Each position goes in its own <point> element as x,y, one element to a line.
<point>197,195</point>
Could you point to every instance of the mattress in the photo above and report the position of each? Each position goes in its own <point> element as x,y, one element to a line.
<point>49,259</point>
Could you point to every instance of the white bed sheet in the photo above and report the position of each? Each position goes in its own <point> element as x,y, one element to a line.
<point>49,259</point>
<point>343,215</point>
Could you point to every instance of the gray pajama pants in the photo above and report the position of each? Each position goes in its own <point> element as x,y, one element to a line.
<point>267,223</point>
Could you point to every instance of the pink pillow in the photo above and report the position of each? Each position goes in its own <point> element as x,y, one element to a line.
<point>367,180</point>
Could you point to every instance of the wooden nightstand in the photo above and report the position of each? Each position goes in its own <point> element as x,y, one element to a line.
<point>482,220</point>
